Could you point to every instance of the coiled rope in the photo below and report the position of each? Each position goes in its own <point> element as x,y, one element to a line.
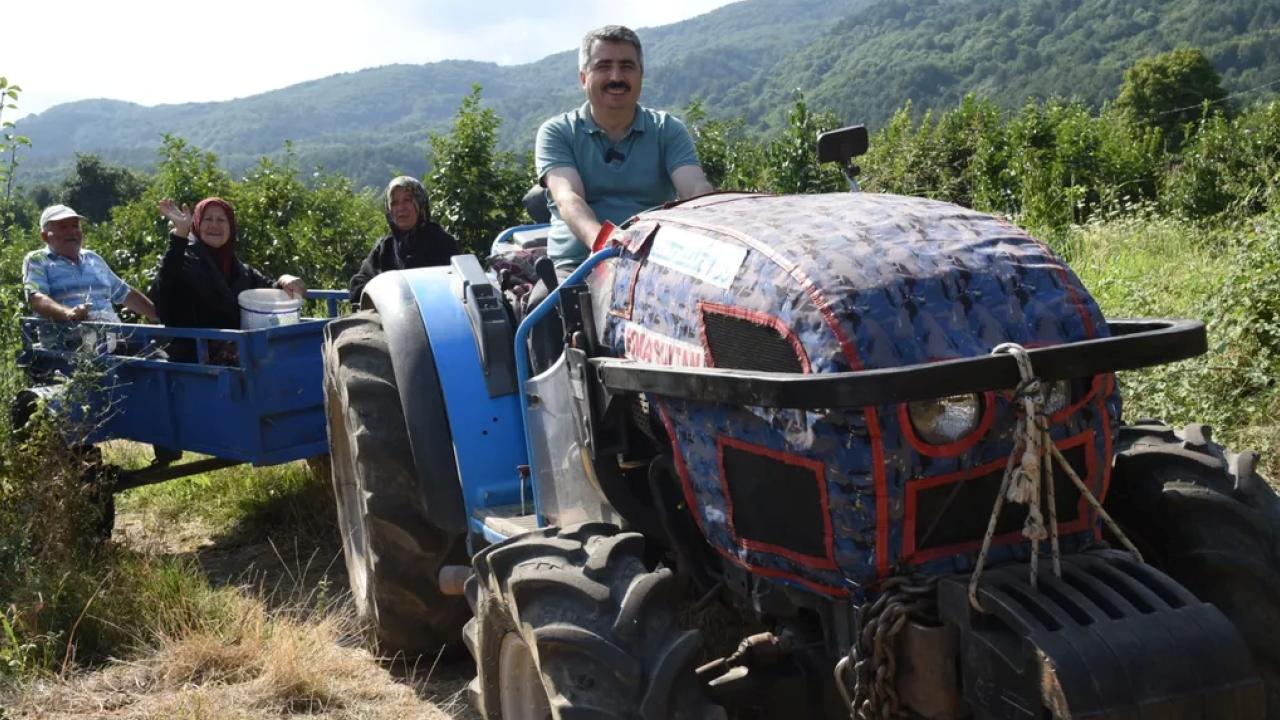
<point>1029,474</point>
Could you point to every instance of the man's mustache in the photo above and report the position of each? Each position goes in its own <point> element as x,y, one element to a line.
<point>618,85</point>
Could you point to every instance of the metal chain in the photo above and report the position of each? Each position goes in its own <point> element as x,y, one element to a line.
<point>1029,472</point>
<point>874,662</point>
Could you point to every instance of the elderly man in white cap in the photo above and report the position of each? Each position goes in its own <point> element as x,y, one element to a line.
<point>65,282</point>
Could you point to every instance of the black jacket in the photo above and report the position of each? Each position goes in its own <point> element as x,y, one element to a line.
<point>426,245</point>
<point>190,291</point>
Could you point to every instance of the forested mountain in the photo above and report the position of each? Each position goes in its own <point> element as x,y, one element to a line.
<point>861,58</point>
<point>933,52</point>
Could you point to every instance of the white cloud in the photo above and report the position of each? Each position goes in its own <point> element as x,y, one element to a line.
<point>154,52</point>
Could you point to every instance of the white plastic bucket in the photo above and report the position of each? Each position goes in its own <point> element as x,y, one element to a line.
<point>268,307</point>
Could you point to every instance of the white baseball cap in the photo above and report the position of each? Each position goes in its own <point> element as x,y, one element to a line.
<point>53,213</point>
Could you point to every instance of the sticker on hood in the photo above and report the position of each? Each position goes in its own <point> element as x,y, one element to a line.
<point>710,260</point>
<point>646,346</point>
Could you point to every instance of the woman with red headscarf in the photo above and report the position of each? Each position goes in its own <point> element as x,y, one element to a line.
<point>200,277</point>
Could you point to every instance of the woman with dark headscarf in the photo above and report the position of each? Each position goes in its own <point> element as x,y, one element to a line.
<point>200,277</point>
<point>414,241</point>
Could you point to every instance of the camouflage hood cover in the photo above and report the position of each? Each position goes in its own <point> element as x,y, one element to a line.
<point>835,500</point>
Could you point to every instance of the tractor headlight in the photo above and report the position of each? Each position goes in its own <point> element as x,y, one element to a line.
<point>946,420</point>
<point>1057,395</point>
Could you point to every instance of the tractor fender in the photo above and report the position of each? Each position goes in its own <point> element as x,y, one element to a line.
<point>421,399</point>
<point>466,432</point>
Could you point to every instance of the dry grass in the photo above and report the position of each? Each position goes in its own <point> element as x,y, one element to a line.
<point>259,662</point>
<point>229,620</point>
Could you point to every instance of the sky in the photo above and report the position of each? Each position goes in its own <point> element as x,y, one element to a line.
<point>152,52</point>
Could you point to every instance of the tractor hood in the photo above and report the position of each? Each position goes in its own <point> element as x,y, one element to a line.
<point>834,500</point>
<point>849,281</point>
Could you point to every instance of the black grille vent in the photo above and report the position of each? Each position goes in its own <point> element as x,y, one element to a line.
<point>943,519</point>
<point>741,344</point>
<point>775,503</point>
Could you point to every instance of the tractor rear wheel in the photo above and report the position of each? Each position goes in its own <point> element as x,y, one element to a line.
<point>571,624</point>
<point>393,551</point>
<point>1205,517</point>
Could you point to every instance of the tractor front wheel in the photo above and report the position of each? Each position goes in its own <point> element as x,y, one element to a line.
<point>1205,517</point>
<point>393,551</point>
<point>572,624</point>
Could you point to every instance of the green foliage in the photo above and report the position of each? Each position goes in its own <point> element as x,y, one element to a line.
<point>1055,163</point>
<point>1248,307</point>
<point>1230,164</point>
<point>791,160</point>
<point>1144,265</point>
<point>1226,275</point>
<point>933,52</point>
<point>50,508</point>
<point>188,174</point>
<point>730,159</point>
<point>1170,91</point>
<point>94,187</point>
<point>136,235</point>
<point>319,233</point>
<point>67,601</point>
<point>475,189</point>
<point>962,156</point>
<point>318,230</point>
<point>1052,164</point>
<point>268,202</point>
<point>788,163</point>
<point>10,143</point>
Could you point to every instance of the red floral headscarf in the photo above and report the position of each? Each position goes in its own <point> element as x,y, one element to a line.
<point>226,254</point>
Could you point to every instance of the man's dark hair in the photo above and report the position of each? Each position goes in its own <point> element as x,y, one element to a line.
<point>609,33</point>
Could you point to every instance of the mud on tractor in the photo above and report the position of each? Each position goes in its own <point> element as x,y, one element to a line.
<point>881,435</point>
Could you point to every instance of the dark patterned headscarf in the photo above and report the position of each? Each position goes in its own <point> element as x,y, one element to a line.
<point>419,198</point>
<point>226,254</point>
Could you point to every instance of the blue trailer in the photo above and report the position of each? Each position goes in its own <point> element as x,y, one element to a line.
<point>264,407</point>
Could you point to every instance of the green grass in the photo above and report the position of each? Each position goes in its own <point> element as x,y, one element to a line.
<point>81,605</point>
<point>1163,267</point>
<point>1145,267</point>
<point>241,497</point>
<point>117,603</point>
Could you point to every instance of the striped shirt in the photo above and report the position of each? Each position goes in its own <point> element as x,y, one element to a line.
<point>72,283</point>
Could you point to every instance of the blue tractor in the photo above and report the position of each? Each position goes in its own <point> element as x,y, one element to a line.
<point>882,435</point>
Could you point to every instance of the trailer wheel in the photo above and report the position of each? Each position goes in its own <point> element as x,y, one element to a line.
<point>1204,516</point>
<point>571,624</point>
<point>393,552</point>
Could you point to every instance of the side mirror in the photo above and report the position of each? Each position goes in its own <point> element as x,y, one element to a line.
<point>843,145</point>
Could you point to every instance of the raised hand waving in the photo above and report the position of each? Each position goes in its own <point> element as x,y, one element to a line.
<point>179,218</point>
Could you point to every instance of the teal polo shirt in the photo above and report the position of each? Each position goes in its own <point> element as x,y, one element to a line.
<point>620,179</point>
